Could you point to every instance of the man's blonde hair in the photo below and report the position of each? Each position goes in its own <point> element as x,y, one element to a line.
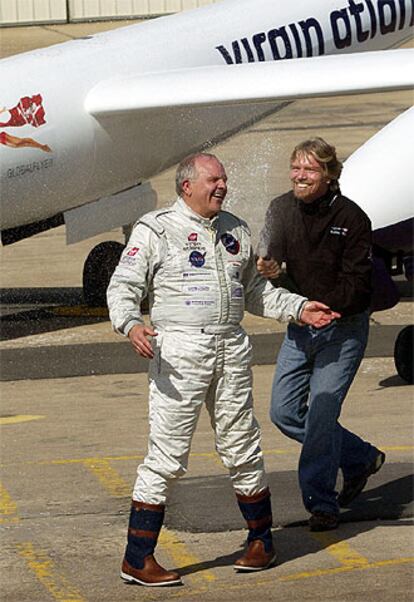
<point>324,154</point>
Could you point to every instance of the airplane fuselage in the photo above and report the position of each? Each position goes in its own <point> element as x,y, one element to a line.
<point>56,156</point>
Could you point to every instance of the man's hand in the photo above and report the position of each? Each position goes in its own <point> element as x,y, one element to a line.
<point>317,314</point>
<point>268,268</point>
<point>138,335</point>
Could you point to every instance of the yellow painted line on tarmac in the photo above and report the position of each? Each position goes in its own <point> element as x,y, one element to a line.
<point>340,550</point>
<point>181,556</point>
<point>93,459</point>
<point>345,569</point>
<point>19,418</point>
<point>109,478</point>
<point>78,311</point>
<point>137,457</point>
<point>46,572</point>
<point>271,579</point>
<point>8,507</point>
<point>37,560</point>
<point>116,486</point>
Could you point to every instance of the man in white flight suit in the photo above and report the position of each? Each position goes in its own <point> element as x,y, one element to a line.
<point>196,264</point>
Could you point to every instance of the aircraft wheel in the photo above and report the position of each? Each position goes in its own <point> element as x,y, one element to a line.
<point>403,354</point>
<point>97,271</point>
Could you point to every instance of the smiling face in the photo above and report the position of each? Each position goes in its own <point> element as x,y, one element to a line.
<point>308,177</point>
<point>206,192</point>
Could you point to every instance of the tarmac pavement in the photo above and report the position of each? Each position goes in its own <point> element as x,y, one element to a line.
<point>73,422</point>
<point>69,451</point>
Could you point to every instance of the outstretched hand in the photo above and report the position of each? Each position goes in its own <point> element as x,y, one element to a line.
<point>139,337</point>
<point>317,314</point>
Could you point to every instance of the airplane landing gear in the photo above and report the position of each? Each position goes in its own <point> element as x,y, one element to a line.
<point>403,353</point>
<point>98,269</point>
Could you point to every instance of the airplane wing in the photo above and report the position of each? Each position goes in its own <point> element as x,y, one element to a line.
<point>331,75</point>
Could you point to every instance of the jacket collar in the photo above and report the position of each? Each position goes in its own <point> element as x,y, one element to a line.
<point>320,206</point>
<point>181,207</point>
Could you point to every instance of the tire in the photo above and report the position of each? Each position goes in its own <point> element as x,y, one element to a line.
<point>403,354</point>
<point>97,271</point>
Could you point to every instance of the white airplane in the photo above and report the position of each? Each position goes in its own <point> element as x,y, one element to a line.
<point>85,124</point>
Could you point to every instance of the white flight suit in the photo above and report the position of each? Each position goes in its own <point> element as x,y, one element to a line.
<point>199,275</point>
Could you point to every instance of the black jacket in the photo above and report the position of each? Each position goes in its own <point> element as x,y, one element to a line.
<point>326,246</point>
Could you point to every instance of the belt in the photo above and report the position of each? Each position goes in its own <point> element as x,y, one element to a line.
<point>206,329</point>
<point>220,328</point>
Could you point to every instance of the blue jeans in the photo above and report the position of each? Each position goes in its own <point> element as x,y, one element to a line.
<point>314,371</point>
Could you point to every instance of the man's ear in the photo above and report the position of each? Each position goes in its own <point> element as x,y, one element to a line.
<point>187,187</point>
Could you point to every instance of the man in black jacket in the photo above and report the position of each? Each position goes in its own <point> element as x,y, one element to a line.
<point>325,240</point>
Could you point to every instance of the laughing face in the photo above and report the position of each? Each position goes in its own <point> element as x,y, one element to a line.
<point>206,193</point>
<point>308,177</point>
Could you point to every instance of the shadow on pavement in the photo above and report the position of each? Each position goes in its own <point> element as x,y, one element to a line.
<point>85,359</point>
<point>34,311</point>
<point>40,321</point>
<point>208,504</point>
<point>41,296</point>
<point>31,311</point>
<point>393,381</point>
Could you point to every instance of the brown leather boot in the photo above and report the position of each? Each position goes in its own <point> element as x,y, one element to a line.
<point>255,558</point>
<point>151,575</point>
<point>139,564</point>
<point>257,511</point>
